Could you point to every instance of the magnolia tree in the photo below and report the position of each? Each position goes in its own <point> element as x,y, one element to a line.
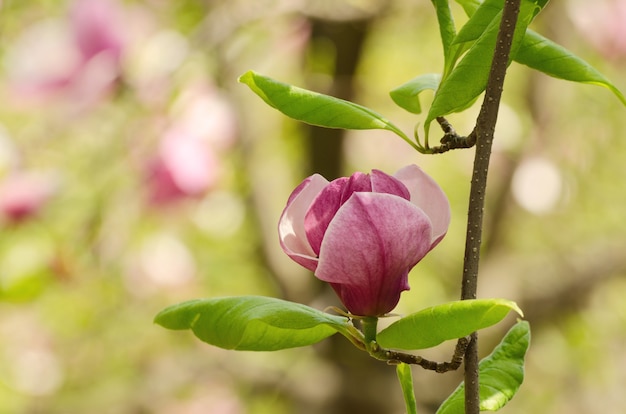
<point>363,234</point>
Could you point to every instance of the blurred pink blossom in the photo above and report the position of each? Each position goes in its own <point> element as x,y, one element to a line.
<point>89,46</point>
<point>603,24</point>
<point>187,162</point>
<point>204,112</point>
<point>97,28</point>
<point>185,166</point>
<point>24,194</point>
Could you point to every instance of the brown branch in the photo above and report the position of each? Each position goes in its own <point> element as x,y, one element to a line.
<point>451,140</point>
<point>394,357</point>
<point>483,132</point>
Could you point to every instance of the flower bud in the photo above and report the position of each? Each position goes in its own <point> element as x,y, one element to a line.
<point>364,233</point>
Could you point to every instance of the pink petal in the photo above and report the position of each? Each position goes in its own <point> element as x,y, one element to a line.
<point>97,27</point>
<point>291,230</point>
<point>427,195</point>
<point>385,183</point>
<point>322,210</point>
<point>328,201</point>
<point>358,182</point>
<point>368,249</point>
<point>161,185</point>
<point>190,161</point>
<point>23,194</point>
<point>333,196</point>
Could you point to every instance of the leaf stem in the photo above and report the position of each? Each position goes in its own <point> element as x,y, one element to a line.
<point>483,131</point>
<point>408,391</point>
<point>368,326</point>
<point>416,145</point>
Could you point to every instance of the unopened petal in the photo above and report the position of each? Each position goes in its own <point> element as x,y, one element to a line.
<point>369,247</point>
<point>427,195</point>
<point>357,183</point>
<point>322,210</point>
<point>291,230</point>
<point>385,183</point>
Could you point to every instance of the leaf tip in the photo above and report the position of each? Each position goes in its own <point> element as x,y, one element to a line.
<point>177,317</point>
<point>517,309</point>
<point>245,78</point>
<point>158,319</point>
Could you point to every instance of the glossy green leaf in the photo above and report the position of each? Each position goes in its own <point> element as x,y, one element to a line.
<point>544,55</point>
<point>406,383</point>
<point>254,323</point>
<point>469,77</point>
<point>481,14</point>
<point>501,374</point>
<point>479,20</point>
<point>434,325</point>
<point>447,29</point>
<point>406,95</point>
<point>552,59</point>
<point>541,4</point>
<point>471,30</point>
<point>470,6</point>
<point>316,108</point>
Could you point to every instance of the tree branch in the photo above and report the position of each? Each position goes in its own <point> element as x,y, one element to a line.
<point>395,357</point>
<point>483,132</point>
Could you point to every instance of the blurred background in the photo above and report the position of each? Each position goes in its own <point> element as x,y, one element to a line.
<point>135,173</point>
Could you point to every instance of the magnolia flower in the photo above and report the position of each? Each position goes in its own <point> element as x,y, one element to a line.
<point>185,166</point>
<point>188,161</point>
<point>363,234</point>
<point>79,59</point>
<point>24,194</point>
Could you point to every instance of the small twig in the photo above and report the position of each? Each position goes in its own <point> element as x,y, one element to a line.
<point>451,140</point>
<point>395,357</point>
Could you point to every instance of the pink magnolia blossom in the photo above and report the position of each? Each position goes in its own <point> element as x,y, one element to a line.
<point>364,233</point>
<point>203,124</point>
<point>185,166</point>
<point>204,111</point>
<point>96,28</point>
<point>23,195</point>
<point>603,24</point>
<point>90,54</point>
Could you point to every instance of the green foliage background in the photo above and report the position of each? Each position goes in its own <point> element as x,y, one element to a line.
<point>78,285</point>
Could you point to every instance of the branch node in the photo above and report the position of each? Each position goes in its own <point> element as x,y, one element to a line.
<point>394,357</point>
<point>451,139</point>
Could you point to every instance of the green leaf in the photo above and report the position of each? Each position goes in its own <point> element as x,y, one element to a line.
<point>479,21</point>
<point>406,95</point>
<point>552,59</point>
<point>253,323</point>
<point>316,108</point>
<point>406,382</point>
<point>481,14</point>
<point>447,29</point>
<point>543,55</point>
<point>469,77</point>
<point>469,6</point>
<point>432,326</point>
<point>501,374</point>
<point>470,31</point>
